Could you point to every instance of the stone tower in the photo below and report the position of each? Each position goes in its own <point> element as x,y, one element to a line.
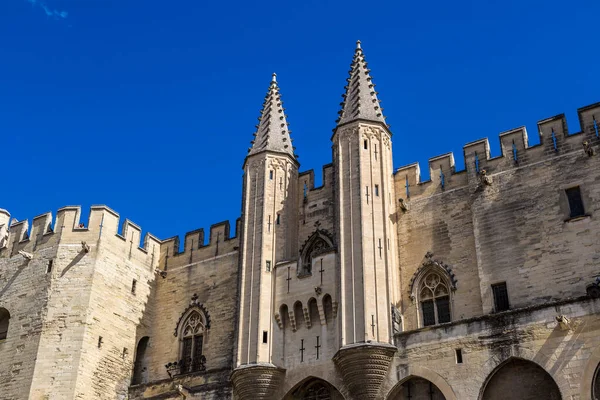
<point>269,205</point>
<point>366,209</point>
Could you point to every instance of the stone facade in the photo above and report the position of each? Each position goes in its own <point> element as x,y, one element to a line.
<point>473,285</point>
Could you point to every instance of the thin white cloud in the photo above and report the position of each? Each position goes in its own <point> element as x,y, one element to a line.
<point>51,12</point>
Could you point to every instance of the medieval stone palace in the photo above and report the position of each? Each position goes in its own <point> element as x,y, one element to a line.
<point>474,285</point>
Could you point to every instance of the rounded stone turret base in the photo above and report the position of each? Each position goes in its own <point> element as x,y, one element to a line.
<point>256,381</point>
<point>364,367</point>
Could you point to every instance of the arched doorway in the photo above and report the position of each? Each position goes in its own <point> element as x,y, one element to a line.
<point>313,389</point>
<point>523,379</point>
<point>596,384</point>
<point>417,388</point>
<point>139,367</point>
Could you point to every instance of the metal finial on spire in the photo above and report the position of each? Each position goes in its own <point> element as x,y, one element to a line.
<point>358,44</point>
<point>274,78</point>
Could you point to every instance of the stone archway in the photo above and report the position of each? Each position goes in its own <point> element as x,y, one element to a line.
<point>313,389</point>
<point>416,388</point>
<point>522,379</point>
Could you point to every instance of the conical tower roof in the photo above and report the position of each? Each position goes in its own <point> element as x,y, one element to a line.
<point>272,132</point>
<point>360,99</point>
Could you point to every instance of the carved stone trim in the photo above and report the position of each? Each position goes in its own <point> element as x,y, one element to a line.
<point>364,367</point>
<point>193,305</point>
<point>438,265</point>
<point>256,381</point>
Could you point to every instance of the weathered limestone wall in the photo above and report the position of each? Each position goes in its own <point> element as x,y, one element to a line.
<point>569,356</point>
<point>516,229</point>
<point>24,290</point>
<point>87,294</point>
<point>209,271</point>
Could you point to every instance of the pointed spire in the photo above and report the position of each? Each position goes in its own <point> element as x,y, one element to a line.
<point>360,99</point>
<point>272,133</point>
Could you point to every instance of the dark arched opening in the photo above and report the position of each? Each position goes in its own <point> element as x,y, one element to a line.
<point>4,319</point>
<point>314,389</point>
<point>139,367</point>
<point>596,384</point>
<point>313,312</point>
<point>417,388</point>
<point>524,380</point>
<point>328,308</point>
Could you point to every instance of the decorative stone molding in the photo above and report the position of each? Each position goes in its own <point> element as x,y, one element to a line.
<point>193,305</point>
<point>364,367</point>
<point>428,264</point>
<point>256,381</point>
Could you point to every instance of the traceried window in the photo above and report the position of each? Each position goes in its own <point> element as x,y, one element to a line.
<point>192,338</point>
<point>317,246</point>
<point>434,298</point>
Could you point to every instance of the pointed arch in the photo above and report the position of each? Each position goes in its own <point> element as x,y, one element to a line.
<point>284,316</point>
<point>313,311</point>
<point>313,388</point>
<point>4,322</point>
<point>194,306</point>
<point>534,382</point>
<point>415,371</point>
<point>319,242</point>
<point>328,308</point>
<point>298,314</point>
<point>139,366</point>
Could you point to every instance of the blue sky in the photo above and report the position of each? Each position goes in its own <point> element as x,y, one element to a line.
<point>149,106</point>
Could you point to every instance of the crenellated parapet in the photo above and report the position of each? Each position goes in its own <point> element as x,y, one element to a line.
<point>555,141</point>
<point>195,248</point>
<point>68,228</point>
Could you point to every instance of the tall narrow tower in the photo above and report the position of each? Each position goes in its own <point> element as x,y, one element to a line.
<point>362,154</point>
<point>269,206</point>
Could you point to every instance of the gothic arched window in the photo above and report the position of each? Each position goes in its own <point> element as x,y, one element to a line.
<point>434,299</point>
<point>192,340</point>
<point>318,243</point>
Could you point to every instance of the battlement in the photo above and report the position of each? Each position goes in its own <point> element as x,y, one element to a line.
<point>308,178</point>
<point>67,228</point>
<point>515,152</point>
<point>194,247</point>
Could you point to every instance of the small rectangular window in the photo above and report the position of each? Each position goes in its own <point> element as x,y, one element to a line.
<point>575,202</point>
<point>365,145</point>
<point>500,297</point>
<point>459,359</point>
<point>271,174</point>
<point>268,265</point>
<point>376,190</point>
<point>265,336</point>
<point>428,313</point>
<point>100,341</point>
<point>49,267</point>
<point>278,219</point>
<point>133,286</point>
<point>125,352</point>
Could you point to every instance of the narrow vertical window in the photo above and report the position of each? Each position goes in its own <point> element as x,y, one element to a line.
<point>265,336</point>
<point>268,265</point>
<point>100,341</point>
<point>365,145</point>
<point>500,297</point>
<point>278,219</point>
<point>375,152</point>
<point>49,266</point>
<point>271,174</point>
<point>367,188</point>
<point>459,358</point>
<point>575,202</point>
<point>376,190</point>
<point>125,352</point>
<point>133,286</point>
